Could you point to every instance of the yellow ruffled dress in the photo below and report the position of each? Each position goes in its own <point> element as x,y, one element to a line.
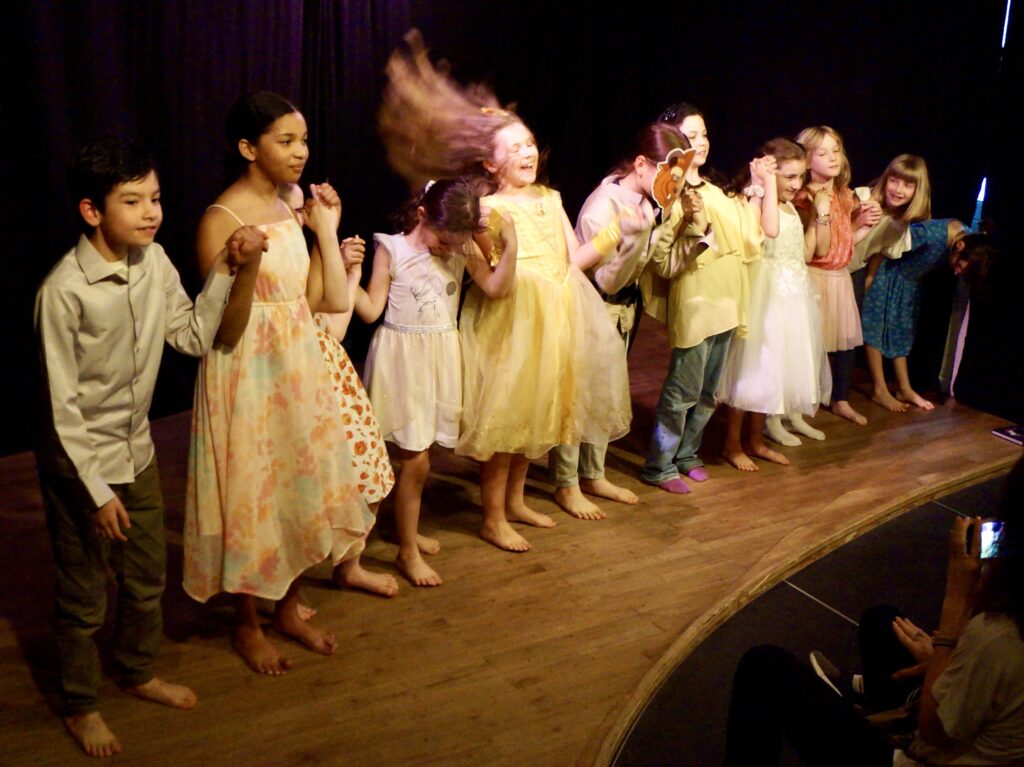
<point>545,365</point>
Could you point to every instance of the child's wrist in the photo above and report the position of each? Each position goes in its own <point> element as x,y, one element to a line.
<point>222,264</point>
<point>608,239</point>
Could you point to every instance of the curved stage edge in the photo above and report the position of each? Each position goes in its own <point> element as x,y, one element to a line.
<point>614,732</point>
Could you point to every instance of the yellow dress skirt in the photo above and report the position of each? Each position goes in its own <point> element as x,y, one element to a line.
<point>545,365</point>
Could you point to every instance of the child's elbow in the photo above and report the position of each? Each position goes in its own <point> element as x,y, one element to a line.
<point>606,282</point>
<point>498,291</point>
<point>339,305</point>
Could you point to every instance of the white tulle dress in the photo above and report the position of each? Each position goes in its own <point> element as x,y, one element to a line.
<point>781,366</point>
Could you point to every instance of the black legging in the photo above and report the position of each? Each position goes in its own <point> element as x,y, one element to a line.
<point>881,654</point>
<point>842,373</point>
<point>776,696</point>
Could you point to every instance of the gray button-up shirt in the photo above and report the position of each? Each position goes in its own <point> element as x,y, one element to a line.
<point>101,328</point>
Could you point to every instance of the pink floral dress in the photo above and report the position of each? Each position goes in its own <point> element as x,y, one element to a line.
<point>271,489</point>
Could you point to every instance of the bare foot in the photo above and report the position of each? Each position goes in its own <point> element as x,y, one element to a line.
<point>843,409</point>
<point>257,651</point>
<point>503,536</point>
<point>288,623</point>
<point>764,452</point>
<point>775,431</point>
<point>573,503</point>
<point>602,488</point>
<point>92,734</point>
<point>911,396</point>
<point>267,607</point>
<point>427,545</point>
<point>739,460</point>
<point>885,399</point>
<point>416,570</point>
<point>353,575</point>
<point>165,693</point>
<point>523,513</point>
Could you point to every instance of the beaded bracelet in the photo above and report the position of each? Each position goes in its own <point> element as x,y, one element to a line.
<point>938,641</point>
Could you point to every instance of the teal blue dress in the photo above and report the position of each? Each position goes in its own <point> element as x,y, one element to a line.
<point>892,303</point>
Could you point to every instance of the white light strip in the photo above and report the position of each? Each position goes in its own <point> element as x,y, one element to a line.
<point>1006,23</point>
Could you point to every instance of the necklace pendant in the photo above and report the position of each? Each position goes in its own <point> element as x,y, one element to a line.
<point>541,210</point>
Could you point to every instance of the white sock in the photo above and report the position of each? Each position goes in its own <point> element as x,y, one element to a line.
<point>800,425</point>
<point>774,431</point>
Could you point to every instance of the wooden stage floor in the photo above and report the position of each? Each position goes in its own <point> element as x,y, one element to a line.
<point>533,659</point>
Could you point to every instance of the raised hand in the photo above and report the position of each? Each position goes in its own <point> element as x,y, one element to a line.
<point>963,575</point>
<point>917,641</point>
<point>868,215</point>
<point>323,208</point>
<point>693,209</point>
<point>353,251</point>
<point>762,170</point>
<point>635,219</point>
<point>245,245</point>
<point>823,202</point>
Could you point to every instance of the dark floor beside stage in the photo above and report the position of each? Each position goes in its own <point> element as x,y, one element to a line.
<point>902,563</point>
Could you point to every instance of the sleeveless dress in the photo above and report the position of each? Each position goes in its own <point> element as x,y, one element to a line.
<point>893,302</point>
<point>370,462</point>
<point>840,319</point>
<point>545,365</point>
<point>271,490</point>
<point>780,366</point>
<point>414,366</point>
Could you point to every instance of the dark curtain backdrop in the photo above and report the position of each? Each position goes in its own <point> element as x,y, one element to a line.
<point>892,77</point>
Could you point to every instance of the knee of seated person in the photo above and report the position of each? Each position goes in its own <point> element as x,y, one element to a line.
<point>763,661</point>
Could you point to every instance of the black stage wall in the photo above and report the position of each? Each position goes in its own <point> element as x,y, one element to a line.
<point>892,77</point>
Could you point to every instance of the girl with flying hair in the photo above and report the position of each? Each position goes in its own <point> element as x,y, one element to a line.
<point>543,365</point>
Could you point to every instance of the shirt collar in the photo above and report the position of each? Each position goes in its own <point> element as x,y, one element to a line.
<point>95,267</point>
<point>623,194</point>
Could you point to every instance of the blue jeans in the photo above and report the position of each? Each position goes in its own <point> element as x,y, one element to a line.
<point>687,402</point>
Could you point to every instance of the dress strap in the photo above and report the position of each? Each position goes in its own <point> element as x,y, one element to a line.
<point>229,212</point>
